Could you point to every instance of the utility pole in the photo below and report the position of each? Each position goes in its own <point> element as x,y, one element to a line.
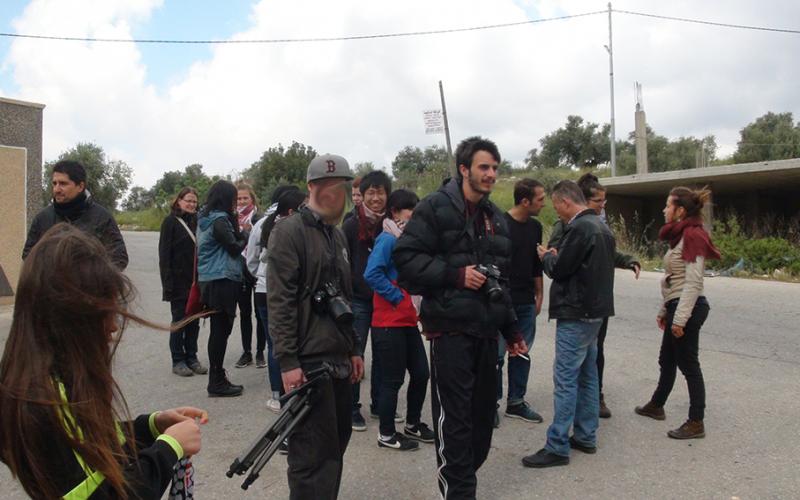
<point>613,138</point>
<point>447,130</point>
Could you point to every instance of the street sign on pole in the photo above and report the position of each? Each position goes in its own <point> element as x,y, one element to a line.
<point>434,121</point>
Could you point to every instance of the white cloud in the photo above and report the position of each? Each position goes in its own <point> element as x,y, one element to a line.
<point>364,99</point>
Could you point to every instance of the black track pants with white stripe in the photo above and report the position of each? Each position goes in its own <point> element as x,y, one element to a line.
<point>463,393</point>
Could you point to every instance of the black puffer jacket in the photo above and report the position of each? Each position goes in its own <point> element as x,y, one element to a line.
<point>87,215</point>
<point>436,244</point>
<point>583,270</point>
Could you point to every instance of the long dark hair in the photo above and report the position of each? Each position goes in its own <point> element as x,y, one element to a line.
<point>222,197</point>
<point>289,200</point>
<point>69,290</point>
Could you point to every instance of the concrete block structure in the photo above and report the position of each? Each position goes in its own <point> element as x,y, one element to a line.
<point>21,189</point>
<point>751,190</point>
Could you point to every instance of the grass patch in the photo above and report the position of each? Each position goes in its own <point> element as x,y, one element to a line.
<point>148,219</point>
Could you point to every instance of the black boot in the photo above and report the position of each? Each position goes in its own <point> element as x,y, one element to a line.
<point>220,387</point>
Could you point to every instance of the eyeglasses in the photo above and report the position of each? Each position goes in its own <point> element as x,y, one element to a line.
<point>599,201</point>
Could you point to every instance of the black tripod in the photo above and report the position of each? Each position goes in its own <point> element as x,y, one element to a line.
<point>298,404</point>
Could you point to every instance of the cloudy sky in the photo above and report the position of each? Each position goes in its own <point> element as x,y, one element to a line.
<point>162,107</point>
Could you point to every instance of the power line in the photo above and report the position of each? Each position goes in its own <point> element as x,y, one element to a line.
<point>710,23</point>
<point>397,35</point>
<point>302,40</point>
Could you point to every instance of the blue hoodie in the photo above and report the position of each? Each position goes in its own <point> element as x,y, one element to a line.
<point>213,261</point>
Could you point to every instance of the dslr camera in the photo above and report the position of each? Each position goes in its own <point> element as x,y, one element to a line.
<point>328,300</point>
<point>491,286</point>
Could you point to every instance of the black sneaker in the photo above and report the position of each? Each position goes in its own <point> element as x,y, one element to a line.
<point>283,448</point>
<point>575,445</point>
<point>398,442</point>
<point>245,360</point>
<point>358,425</point>
<point>261,362</point>
<point>523,411</point>
<point>544,458</point>
<point>420,432</point>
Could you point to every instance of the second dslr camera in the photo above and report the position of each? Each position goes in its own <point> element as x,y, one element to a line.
<point>328,299</point>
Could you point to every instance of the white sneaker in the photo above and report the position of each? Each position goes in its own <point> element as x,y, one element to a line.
<point>274,405</point>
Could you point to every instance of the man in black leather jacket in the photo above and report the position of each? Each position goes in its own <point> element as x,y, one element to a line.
<point>581,295</point>
<point>452,231</point>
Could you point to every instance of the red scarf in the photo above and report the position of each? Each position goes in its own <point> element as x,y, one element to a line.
<point>244,215</point>
<point>696,241</point>
<point>368,225</point>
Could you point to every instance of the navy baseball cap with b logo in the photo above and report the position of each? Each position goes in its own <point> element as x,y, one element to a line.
<point>328,167</point>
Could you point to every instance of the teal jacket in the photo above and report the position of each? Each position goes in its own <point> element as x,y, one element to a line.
<point>219,248</point>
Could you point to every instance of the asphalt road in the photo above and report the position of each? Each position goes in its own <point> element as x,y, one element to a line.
<point>750,354</point>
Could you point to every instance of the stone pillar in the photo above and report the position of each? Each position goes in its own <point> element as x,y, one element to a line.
<point>641,141</point>
<point>21,127</point>
<point>14,229</point>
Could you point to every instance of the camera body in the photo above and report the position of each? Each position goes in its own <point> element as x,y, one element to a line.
<point>328,300</point>
<point>491,286</point>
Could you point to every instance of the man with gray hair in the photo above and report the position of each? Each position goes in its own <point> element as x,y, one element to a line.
<point>581,295</point>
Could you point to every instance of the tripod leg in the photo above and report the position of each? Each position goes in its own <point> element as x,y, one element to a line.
<point>262,443</point>
<point>262,461</point>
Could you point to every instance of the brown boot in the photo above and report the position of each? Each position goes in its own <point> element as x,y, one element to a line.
<point>691,429</point>
<point>604,411</point>
<point>651,410</point>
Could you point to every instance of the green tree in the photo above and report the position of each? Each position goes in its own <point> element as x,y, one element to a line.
<point>363,168</point>
<point>575,145</point>
<point>138,199</point>
<point>770,137</point>
<point>414,167</point>
<point>107,180</point>
<point>279,165</point>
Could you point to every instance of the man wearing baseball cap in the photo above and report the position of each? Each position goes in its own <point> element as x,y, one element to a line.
<point>310,289</point>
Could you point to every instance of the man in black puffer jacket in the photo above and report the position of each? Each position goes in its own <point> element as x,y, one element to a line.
<point>451,232</point>
<point>73,204</point>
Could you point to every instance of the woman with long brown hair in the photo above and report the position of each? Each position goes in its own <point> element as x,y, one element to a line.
<point>684,308</point>
<point>64,430</point>
<point>177,245</point>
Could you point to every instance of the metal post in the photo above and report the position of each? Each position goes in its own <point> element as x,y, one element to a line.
<point>613,138</point>
<point>446,128</point>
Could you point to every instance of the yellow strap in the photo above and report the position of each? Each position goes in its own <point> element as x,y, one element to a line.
<point>87,487</point>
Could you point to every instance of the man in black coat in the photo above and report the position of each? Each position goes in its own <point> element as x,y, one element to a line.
<point>453,233</point>
<point>581,295</point>
<point>73,204</point>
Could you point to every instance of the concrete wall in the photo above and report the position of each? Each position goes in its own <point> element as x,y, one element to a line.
<point>21,126</point>
<point>13,206</point>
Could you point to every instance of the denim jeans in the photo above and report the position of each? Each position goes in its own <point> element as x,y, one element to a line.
<point>183,343</point>
<point>518,368</point>
<point>576,396</point>
<point>362,313</point>
<point>273,370</point>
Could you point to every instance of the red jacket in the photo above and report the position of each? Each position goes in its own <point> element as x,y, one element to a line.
<point>386,315</point>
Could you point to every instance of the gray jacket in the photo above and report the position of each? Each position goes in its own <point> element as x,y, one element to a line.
<point>300,254</point>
